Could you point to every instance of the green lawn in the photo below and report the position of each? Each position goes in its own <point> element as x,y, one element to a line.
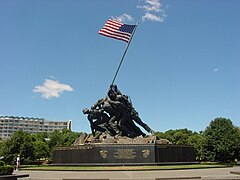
<point>121,168</point>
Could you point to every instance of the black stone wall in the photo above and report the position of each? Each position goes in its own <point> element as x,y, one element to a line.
<point>123,154</point>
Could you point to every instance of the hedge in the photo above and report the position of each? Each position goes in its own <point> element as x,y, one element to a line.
<point>6,170</point>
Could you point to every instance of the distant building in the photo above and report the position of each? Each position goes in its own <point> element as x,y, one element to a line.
<point>11,124</point>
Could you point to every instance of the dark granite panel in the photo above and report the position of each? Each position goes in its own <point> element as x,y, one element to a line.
<point>123,154</point>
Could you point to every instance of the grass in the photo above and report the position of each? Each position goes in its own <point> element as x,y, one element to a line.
<point>122,168</point>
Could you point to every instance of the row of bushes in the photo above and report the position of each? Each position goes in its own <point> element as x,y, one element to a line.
<point>5,169</point>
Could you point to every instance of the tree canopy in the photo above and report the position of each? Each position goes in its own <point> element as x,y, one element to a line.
<point>35,147</point>
<point>20,144</point>
<point>221,141</point>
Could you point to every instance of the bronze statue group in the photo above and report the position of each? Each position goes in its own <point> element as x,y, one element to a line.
<point>115,115</point>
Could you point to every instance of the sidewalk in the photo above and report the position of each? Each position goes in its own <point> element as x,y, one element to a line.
<point>212,173</point>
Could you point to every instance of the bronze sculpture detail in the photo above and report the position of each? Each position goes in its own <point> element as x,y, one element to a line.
<point>116,116</point>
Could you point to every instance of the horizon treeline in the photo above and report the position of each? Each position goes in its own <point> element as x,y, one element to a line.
<point>219,142</point>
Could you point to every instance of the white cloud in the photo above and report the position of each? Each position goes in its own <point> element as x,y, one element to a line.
<point>51,88</point>
<point>152,17</point>
<point>153,11</point>
<point>215,70</point>
<point>151,5</point>
<point>123,18</point>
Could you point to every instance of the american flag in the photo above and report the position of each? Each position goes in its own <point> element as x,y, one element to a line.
<point>117,30</point>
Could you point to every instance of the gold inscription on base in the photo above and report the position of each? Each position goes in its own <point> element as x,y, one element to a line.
<point>103,153</point>
<point>146,153</point>
<point>124,154</point>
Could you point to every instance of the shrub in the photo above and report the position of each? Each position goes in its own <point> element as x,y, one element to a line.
<point>6,170</point>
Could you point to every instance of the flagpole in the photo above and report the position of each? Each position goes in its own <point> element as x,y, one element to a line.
<point>124,55</point>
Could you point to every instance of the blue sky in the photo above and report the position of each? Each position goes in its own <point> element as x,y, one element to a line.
<point>181,70</point>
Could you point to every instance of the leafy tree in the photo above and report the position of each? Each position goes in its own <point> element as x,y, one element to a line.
<point>178,136</point>
<point>34,147</point>
<point>197,140</point>
<point>169,135</point>
<point>19,144</point>
<point>69,137</point>
<point>41,150</point>
<point>181,138</point>
<point>42,136</point>
<point>221,141</point>
<point>64,138</point>
<point>55,139</point>
<point>58,139</point>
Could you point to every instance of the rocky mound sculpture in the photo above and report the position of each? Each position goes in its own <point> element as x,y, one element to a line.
<point>105,138</point>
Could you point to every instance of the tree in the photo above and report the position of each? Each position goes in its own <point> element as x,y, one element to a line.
<point>197,140</point>
<point>19,144</point>
<point>58,139</point>
<point>64,138</point>
<point>178,136</point>
<point>34,147</point>
<point>41,150</point>
<point>69,137</point>
<point>221,141</point>
<point>55,139</point>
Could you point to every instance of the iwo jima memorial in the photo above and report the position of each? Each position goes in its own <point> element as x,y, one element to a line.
<point>116,138</point>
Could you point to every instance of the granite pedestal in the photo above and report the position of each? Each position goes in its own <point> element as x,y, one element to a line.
<point>123,154</point>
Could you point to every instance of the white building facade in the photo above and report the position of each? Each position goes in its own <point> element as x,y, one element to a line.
<point>11,124</point>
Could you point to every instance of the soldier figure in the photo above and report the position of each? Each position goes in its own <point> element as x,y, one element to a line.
<point>115,114</point>
<point>98,120</point>
<point>134,114</point>
<point>125,123</point>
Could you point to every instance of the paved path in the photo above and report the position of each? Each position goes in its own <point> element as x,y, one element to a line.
<point>212,173</point>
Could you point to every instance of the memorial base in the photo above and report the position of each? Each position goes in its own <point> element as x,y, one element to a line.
<point>123,154</point>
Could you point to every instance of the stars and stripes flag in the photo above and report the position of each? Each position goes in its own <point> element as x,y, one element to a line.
<point>117,30</point>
